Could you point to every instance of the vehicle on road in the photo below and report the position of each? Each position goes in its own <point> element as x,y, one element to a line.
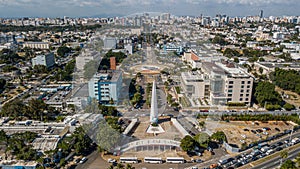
<point>153,160</point>
<point>83,160</point>
<point>128,160</point>
<point>175,160</point>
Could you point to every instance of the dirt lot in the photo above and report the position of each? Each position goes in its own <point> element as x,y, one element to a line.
<point>290,97</point>
<point>239,132</point>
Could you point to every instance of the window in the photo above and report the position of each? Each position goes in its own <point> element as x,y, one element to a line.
<point>230,91</point>
<point>230,82</point>
<point>241,99</point>
<point>248,86</point>
<point>248,91</point>
<point>229,100</point>
<point>249,82</point>
<point>242,86</point>
<point>242,91</point>
<point>247,95</point>
<point>243,82</point>
<point>241,95</point>
<point>247,99</point>
<point>230,87</point>
<point>229,95</point>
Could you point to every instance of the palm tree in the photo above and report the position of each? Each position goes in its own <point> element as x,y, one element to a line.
<point>283,155</point>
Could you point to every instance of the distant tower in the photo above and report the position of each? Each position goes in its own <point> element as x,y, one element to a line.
<point>153,111</point>
<point>261,14</point>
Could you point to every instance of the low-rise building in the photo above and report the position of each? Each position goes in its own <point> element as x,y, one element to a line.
<point>37,45</point>
<point>46,60</point>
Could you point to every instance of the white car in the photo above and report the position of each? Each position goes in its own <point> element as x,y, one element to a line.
<point>110,160</point>
<point>83,160</point>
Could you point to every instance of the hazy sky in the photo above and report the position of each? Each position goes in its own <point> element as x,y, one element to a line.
<point>75,8</point>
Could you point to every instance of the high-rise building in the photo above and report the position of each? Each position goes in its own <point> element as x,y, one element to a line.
<point>261,14</point>
<point>46,60</point>
<point>105,86</point>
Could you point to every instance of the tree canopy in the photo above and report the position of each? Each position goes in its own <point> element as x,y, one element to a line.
<point>219,136</point>
<point>187,143</point>
<point>63,50</point>
<point>265,92</point>
<point>286,79</point>
<point>288,164</point>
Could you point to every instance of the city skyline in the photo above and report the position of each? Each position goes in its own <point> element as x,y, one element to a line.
<point>110,8</point>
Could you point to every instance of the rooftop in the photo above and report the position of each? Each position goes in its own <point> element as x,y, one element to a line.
<point>108,75</point>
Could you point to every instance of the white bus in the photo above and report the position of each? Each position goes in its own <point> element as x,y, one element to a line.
<point>175,160</point>
<point>128,160</point>
<point>153,160</point>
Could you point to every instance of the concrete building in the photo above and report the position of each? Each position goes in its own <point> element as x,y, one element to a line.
<point>106,85</point>
<point>195,84</point>
<point>37,45</point>
<point>228,83</point>
<point>86,56</point>
<point>129,48</point>
<point>46,60</point>
<point>219,82</point>
<point>110,43</point>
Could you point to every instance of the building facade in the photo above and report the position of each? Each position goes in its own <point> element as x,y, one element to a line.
<point>110,43</point>
<point>106,86</point>
<point>46,60</point>
<point>37,45</point>
<point>221,83</point>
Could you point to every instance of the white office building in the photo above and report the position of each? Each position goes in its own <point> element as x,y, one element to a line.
<point>106,85</point>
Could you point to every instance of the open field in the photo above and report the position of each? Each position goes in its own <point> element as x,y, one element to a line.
<point>239,132</point>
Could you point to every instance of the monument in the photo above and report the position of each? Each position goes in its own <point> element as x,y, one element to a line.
<point>153,110</point>
<point>154,127</point>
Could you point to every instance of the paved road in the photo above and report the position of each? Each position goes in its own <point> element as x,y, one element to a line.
<point>94,162</point>
<point>275,162</point>
<point>215,160</point>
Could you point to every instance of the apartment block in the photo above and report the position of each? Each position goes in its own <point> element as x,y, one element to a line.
<point>105,85</point>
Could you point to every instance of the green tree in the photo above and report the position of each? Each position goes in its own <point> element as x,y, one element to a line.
<point>288,164</point>
<point>187,143</point>
<point>288,106</point>
<point>63,50</point>
<point>203,139</point>
<point>202,124</point>
<point>297,160</point>
<point>219,136</point>
<point>265,92</point>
